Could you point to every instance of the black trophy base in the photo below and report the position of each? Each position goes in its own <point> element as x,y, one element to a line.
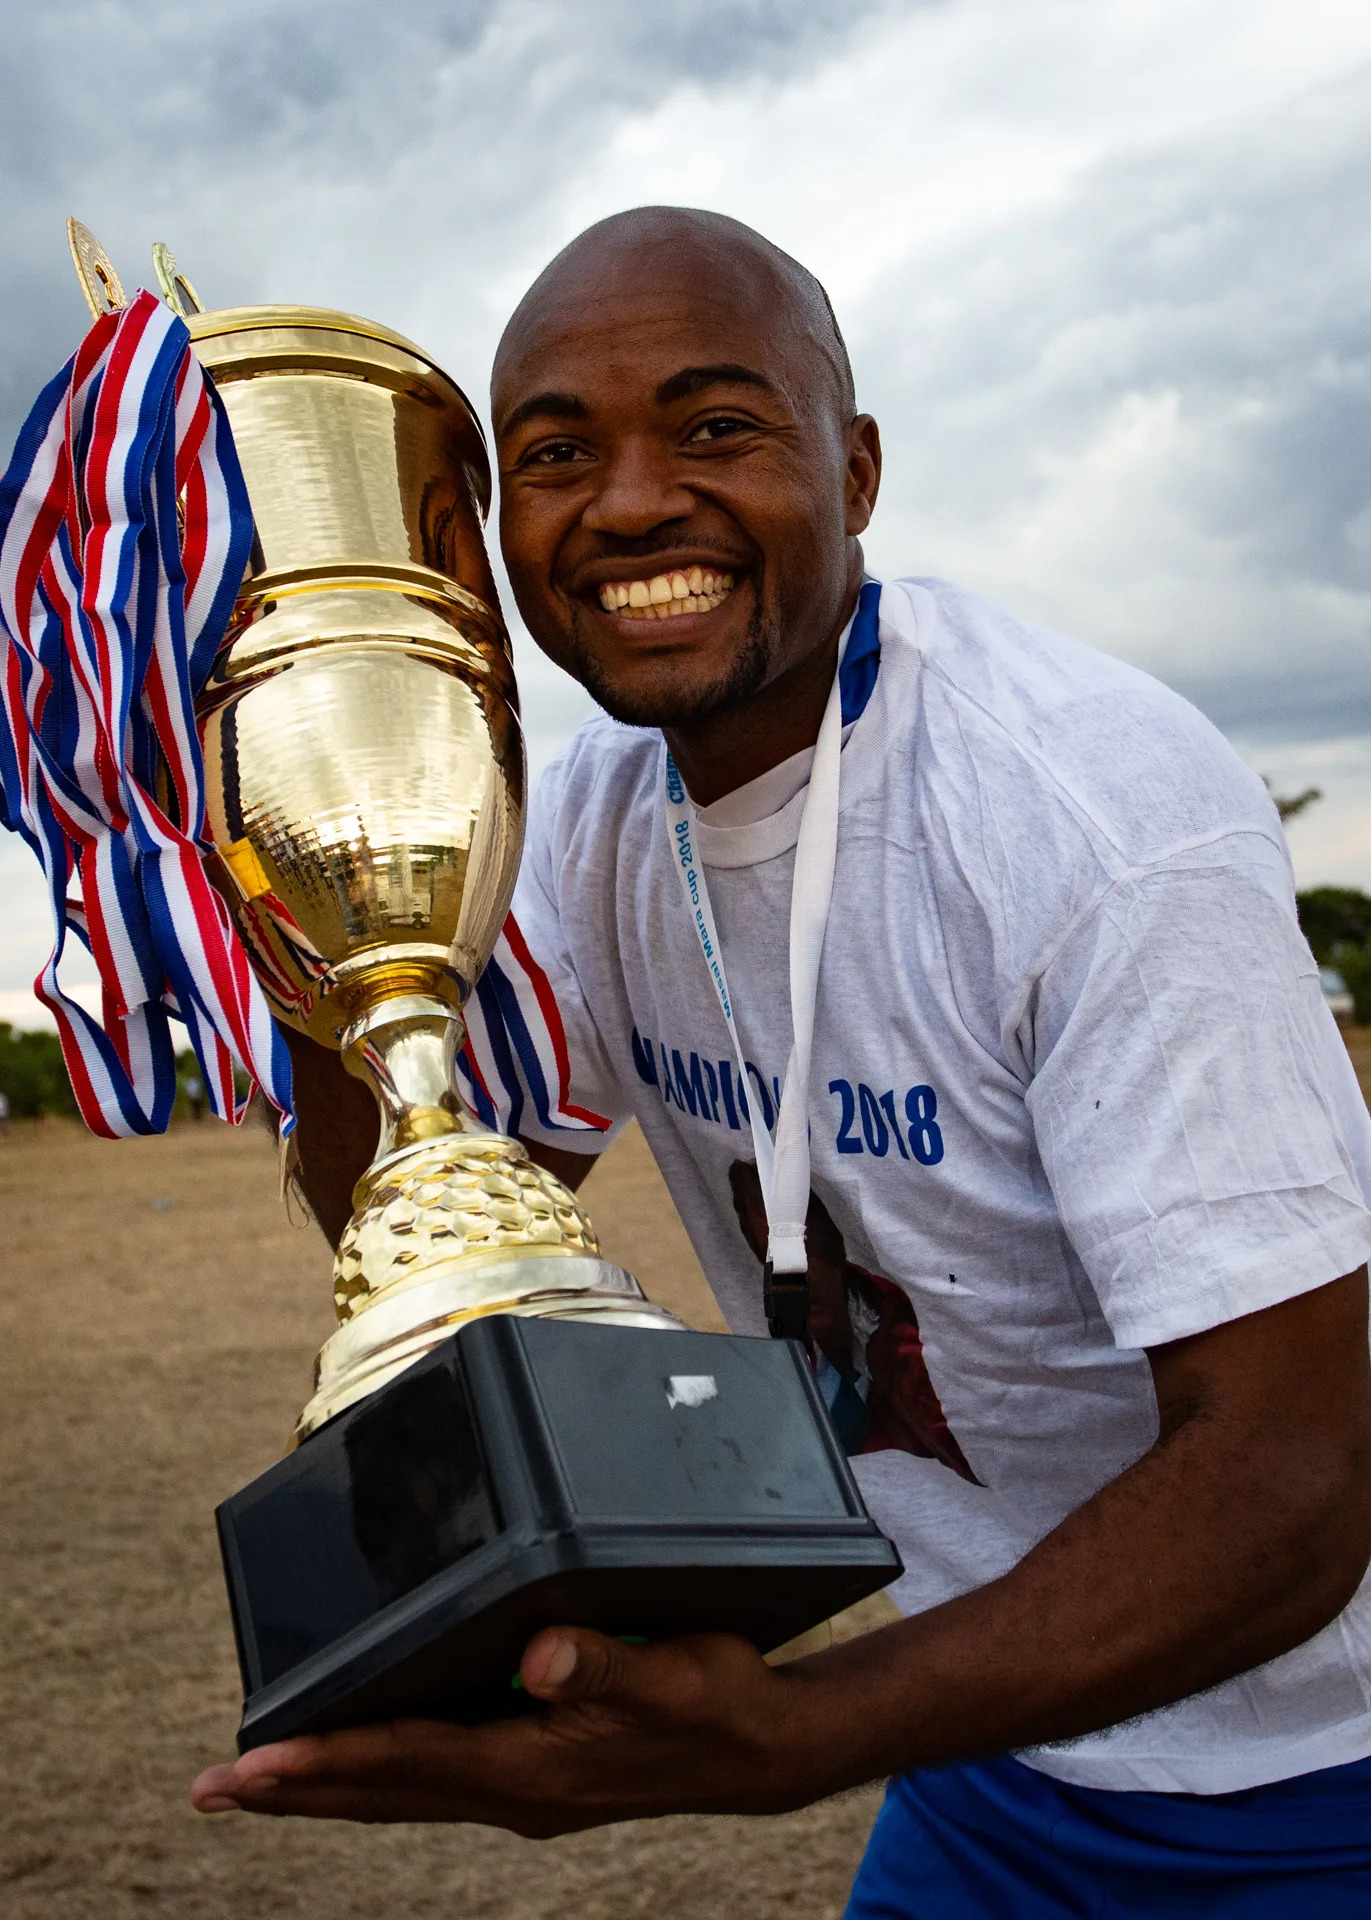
<point>529,1473</point>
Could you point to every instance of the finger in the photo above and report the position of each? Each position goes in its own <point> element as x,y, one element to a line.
<point>671,1681</point>
<point>549,1666</point>
<point>565,1664</point>
<point>382,1773</point>
<point>423,1756</point>
<point>314,1757</point>
<point>312,1801</point>
<point>374,1808</point>
<point>219,1789</point>
<point>213,1791</point>
<point>385,1792</point>
<point>391,1754</point>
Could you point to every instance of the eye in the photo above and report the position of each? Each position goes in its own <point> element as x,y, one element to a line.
<point>719,426</point>
<point>554,453</point>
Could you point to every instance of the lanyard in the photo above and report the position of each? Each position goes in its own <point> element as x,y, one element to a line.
<point>782,1164</point>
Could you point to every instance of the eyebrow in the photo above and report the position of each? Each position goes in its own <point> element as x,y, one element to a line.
<point>679,386</point>
<point>692,380</point>
<point>546,406</point>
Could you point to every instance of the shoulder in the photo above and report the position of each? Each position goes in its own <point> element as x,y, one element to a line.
<point>1040,780</point>
<point>605,775</point>
<point>1023,717</point>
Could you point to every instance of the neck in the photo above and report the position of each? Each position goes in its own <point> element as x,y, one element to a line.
<point>723,752</point>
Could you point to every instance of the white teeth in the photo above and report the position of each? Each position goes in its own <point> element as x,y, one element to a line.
<point>666,594</point>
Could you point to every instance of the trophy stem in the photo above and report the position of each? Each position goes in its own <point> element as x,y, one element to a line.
<point>452,1222</point>
<point>405,1049</point>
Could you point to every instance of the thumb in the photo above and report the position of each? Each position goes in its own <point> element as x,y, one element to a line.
<point>566,1664</point>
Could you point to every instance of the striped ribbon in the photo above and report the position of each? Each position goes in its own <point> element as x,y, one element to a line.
<point>516,1048</point>
<point>111,611</point>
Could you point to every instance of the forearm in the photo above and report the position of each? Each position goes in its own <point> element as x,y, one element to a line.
<point>337,1125</point>
<point>1091,1628</point>
<point>1208,1557</point>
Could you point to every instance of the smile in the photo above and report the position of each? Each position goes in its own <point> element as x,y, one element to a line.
<point>698,590</point>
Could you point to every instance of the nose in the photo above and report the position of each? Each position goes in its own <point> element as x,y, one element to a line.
<point>638,492</point>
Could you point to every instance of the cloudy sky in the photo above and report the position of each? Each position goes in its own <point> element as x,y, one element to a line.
<point>1102,264</point>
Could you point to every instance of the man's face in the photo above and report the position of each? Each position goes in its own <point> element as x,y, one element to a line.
<point>678,488</point>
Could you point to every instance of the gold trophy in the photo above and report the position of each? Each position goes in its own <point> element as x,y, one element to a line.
<point>365,779</point>
<point>504,1431</point>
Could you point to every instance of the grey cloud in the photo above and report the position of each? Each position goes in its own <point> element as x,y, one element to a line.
<point>320,152</point>
<point>1228,280</point>
<point>402,161</point>
<point>410,163</point>
<point>1334,704</point>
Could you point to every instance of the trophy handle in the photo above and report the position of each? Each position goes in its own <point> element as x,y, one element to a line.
<point>101,285</point>
<point>177,291</point>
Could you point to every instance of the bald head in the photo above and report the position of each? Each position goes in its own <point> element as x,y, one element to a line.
<point>683,475</point>
<point>712,259</point>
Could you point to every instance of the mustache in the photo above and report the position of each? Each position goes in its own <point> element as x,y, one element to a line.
<point>653,546</point>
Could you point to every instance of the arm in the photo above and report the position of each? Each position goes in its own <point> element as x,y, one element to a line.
<point>336,1131</point>
<point>1241,1532</point>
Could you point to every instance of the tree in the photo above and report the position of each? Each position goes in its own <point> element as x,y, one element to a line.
<point>1354,964</point>
<point>1289,805</point>
<point>33,1074</point>
<point>1333,917</point>
<point>1337,925</point>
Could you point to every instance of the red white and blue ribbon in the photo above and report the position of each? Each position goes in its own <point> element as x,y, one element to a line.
<point>110,615</point>
<point>516,1049</point>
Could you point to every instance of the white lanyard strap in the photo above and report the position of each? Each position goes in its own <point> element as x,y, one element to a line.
<point>782,1167</point>
<point>680,821</point>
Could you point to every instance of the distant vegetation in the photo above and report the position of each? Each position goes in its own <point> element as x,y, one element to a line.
<point>33,1077</point>
<point>1291,805</point>
<point>1336,920</point>
<point>1337,925</point>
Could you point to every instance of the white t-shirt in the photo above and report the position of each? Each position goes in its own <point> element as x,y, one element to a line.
<point>1075,1092</point>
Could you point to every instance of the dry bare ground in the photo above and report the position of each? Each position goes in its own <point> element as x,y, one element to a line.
<point>158,1320</point>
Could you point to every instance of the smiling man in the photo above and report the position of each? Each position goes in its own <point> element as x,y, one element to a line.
<point>1086,1161</point>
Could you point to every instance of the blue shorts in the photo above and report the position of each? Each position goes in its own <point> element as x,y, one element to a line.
<point>996,1840</point>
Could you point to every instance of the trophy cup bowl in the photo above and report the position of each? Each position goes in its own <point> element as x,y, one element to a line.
<point>365,780</point>
<point>504,1431</point>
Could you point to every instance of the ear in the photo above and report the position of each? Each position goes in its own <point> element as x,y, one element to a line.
<point>863,472</point>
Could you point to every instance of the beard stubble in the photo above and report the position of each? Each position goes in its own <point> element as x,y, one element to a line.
<point>648,706</point>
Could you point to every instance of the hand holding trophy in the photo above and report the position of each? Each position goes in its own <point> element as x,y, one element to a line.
<point>505,1433</point>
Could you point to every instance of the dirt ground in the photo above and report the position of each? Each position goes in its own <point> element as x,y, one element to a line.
<point>1359,1046</point>
<point>159,1316</point>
